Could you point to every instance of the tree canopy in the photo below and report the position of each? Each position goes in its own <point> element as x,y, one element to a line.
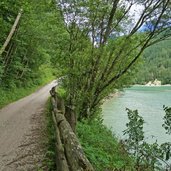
<point>28,58</point>
<point>103,45</point>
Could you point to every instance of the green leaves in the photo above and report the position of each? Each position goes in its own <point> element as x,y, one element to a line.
<point>167,119</point>
<point>35,45</point>
<point>134,127</point>
<point>102,47</point>
<point>148,156</point>
<point>156,65</point>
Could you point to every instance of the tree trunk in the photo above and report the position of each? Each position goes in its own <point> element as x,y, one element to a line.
<point>71,117</point>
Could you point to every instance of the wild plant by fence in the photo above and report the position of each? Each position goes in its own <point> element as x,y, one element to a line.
<point>69,153</point>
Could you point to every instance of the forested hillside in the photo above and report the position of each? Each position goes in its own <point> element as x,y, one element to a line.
<point>156,64</point>
<point>27,59</point>
<point>30,55</point>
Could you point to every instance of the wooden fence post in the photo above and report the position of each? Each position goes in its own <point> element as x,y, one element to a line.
<point>75,156</point>
<point>71,117</point>
<point>70,155</point>
<point>61,162</point>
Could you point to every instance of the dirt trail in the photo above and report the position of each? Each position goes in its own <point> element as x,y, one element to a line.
<point>20,129</point>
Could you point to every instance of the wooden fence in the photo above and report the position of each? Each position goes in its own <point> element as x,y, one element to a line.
<point>69,153</point>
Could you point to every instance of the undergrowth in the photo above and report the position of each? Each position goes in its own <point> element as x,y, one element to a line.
<point>102,148</point>
<point>50,155</point>
<point>9,95</point>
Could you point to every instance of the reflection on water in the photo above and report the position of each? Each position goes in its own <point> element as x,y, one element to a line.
<point>149,101</point>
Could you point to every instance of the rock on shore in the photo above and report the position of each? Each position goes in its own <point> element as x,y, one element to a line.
<point>154,83</point>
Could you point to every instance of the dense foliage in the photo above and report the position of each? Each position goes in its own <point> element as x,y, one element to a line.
<point>30,57</point>
<point>147,156</point>
<point>8,13</point>
<point>156,64</point>
<point>103,46</point>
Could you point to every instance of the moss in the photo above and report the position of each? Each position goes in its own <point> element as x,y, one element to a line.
<point>61,92</point>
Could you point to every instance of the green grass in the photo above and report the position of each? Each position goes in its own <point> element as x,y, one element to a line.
<point>102,148</point>
<point>50,155</point>
<point>12,94</point>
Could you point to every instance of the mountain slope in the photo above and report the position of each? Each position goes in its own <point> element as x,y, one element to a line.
<point>156,64</point>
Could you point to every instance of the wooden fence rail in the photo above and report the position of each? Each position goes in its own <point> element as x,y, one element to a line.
<point>70,156</point>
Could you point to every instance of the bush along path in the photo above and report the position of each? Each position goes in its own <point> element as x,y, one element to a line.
<point>21,132</point>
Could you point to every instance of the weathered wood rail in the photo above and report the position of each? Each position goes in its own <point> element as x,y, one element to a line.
<point>69,153</point>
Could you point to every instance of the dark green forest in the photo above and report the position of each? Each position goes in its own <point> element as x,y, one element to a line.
<point>30,56</point>
<point>155,64</point>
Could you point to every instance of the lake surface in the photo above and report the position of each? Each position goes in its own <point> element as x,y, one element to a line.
<point>149,101</point>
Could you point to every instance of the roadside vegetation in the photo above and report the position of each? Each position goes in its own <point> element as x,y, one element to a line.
<point>26,63</point>
<point>15,93</point>
<point>102,148</point>
<point>102,56</point>
<point>50,155</point>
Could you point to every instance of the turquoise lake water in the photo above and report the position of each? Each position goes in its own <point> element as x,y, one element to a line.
<point>149,101</point>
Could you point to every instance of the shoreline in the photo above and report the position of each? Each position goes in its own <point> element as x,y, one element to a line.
<point>119,93</point>
<point>112,95</point>
<point>164,85</point>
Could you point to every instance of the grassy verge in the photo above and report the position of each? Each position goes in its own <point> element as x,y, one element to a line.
<point>13,94</point>
<point>102,148</point>
<point>50,143</point>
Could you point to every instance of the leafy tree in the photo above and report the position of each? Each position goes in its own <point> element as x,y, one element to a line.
<point>104,44</point>
<point>147,156</point>
<point>8,13</point>
<point>167,119</point>
<point>29,56</point>
<point>135,132</point>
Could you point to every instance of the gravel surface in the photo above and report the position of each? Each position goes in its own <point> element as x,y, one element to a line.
<point>21,132</point>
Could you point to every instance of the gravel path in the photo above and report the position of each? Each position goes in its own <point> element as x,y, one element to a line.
<point>20,132</point>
